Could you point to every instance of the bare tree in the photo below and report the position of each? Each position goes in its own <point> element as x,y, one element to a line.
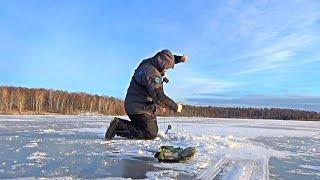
<point>39,101</point>
<point>5,98</point>
<point>21,98</point>
<point>11,100</point>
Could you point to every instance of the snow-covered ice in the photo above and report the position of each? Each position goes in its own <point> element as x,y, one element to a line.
<point>70,147</point>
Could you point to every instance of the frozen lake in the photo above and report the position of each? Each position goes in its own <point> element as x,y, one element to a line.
<point>74,147</point>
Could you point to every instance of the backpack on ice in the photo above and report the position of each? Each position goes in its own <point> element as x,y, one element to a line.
<point>175,154</point>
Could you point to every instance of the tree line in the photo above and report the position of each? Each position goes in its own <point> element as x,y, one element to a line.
<point>20,100</point>
<point>251,113</point>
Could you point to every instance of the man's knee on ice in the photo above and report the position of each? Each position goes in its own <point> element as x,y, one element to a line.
<point>153,134</point>
<point>152,129</point>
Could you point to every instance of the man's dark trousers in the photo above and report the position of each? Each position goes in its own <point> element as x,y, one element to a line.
<point>141,126</point>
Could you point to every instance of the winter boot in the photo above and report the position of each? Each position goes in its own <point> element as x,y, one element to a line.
<point>111,132</point>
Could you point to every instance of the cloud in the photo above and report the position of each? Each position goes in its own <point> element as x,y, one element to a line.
<point>310,103</point>
<point>221,95</point>
<point>207,85</point>
<point>262,35</point>
<point>277,32</point>
<point>275,55</point>
<point>185,82</point>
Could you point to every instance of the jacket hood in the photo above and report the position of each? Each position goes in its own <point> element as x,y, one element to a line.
<point>163,60</point>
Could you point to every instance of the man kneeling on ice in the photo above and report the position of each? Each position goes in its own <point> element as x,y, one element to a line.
<point>144,92</point>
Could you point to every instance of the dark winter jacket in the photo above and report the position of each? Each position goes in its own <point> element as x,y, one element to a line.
<point>146,86</point>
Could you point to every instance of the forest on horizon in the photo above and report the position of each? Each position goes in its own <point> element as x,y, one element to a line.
<point>40,101</point>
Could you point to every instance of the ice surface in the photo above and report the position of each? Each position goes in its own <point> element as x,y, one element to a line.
<point>74,147</point>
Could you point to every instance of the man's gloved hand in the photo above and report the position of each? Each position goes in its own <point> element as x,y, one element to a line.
<point>149,99</point>
<point>184,58</point>
<point>179,108</point>
<point>180,59</point>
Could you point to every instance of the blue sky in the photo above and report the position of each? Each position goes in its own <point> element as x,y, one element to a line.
<point>241,53</point>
